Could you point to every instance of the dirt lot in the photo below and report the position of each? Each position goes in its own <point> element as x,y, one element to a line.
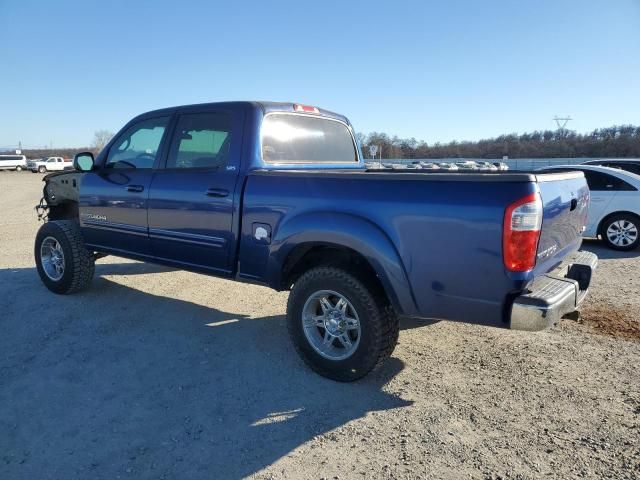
<point>155,373</point>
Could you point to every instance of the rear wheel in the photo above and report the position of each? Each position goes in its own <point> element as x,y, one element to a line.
<point>338,326</point>
<point>63,262</point>
<point>621,231</point>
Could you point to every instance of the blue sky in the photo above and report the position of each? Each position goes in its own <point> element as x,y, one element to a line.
<point>432,70</point>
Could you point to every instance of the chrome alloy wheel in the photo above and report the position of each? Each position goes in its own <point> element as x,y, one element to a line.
<point>331,325</point>
<point>622,233</point>
<point>52,258</point>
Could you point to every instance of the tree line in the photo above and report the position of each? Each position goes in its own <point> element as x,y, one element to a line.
<point>616,141</point>
<point>100,139</point>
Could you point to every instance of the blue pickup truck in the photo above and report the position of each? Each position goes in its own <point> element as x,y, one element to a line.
<point>277,194</point>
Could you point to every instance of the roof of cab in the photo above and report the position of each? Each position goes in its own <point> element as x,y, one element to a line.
<point>265,107</point>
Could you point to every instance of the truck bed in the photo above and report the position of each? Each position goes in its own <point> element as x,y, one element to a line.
<point>445,228</point>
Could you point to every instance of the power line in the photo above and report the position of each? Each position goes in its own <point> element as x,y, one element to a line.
<point>561,122</point>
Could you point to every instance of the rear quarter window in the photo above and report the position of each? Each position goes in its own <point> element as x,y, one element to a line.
<point>296,138</point>
<point>599,181</point>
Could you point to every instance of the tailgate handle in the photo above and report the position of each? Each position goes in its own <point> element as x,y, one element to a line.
<point>134,188</point>
<point>574,204</point>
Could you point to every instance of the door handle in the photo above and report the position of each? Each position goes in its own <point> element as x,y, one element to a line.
<point>574,204</point>
<point>134,188</point>
<point>217,192</point>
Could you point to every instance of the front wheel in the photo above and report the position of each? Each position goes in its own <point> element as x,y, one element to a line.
<point>621,232</point>
<point>63,262</point>
<point>18,168</point>
<point>338,326</point>
<point>42,169</point>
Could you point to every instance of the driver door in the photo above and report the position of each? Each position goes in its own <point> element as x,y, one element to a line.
<point>114,196</point>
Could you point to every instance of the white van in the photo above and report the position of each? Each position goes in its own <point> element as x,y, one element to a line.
<point>13,162</point>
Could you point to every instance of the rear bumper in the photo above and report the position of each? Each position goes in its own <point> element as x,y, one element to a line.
<point>554,295</point>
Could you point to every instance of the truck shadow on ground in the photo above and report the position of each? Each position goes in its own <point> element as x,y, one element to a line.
<point>118,382</point>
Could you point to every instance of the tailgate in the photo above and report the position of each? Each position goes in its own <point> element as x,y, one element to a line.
<point>565,200</point>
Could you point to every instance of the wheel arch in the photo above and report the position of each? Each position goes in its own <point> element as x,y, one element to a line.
<point>327,238</point>
<point>67,210</point>
<point>601,224</point>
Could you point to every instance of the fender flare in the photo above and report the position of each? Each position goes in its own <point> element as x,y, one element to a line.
<point>350,231</point>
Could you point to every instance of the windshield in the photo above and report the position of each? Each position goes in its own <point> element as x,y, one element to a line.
<point>294,138</point>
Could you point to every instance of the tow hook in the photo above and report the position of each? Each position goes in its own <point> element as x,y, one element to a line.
<point>42,209</point>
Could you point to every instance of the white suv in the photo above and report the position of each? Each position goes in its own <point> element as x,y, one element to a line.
<point>614,211</point>
<point>13,162</point>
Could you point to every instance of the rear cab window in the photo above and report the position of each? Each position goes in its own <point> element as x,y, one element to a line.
<point>300,138</point>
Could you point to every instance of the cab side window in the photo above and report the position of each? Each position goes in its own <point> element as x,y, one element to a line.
<point>138,146</point>
<point>201,140</point>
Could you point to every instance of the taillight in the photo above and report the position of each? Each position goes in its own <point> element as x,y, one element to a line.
<point>521,232</point>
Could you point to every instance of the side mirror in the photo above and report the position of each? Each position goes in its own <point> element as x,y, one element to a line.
<point>83,161</point>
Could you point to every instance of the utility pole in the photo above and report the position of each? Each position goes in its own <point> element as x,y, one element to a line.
<point>561,122</point>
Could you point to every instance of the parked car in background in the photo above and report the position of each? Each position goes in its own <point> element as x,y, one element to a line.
<point>448,166</point>
<point>501,166</point>
<point>467,165</point>
<point>487,166</point>
<point>429,166</point>
<point>632,166</point>
<point>50,164</point>
<point>614,214</point>
<point>13,162</point>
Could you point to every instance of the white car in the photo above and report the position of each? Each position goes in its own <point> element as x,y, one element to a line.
<point>501,166</point>
<point>467,165</point>
<point>50,164</point>
<point>614,211</point>
<point>448,166</point>
<point>487,166</point>
<point>13,162</point>
<point>430,166</point>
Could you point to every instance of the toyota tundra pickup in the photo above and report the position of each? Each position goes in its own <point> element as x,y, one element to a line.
<point>278,194</point>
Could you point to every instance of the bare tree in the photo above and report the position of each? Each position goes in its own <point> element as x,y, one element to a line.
<point>101,138</point>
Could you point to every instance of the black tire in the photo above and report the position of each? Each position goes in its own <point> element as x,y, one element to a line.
<point>79,262</point>
<point>628,221</point>
<point>18,168</point>
<point>378,322</point>
<point>42,169</point>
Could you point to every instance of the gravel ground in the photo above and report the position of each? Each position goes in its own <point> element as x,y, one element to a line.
<point>156,373</point>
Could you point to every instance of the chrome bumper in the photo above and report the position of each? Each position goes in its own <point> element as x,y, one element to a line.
<point>554,295</point>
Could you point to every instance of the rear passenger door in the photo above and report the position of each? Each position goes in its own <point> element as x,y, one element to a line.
<point>191,200</point>
<point>602,191</point>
